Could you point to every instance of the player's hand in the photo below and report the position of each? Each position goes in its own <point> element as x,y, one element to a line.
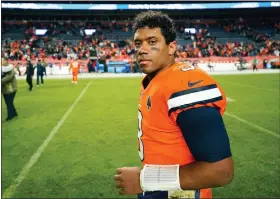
<point>127,180</point>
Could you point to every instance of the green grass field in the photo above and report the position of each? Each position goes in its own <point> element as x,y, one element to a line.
<point>100,135</point>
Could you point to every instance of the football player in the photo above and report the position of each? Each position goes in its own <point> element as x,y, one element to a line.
<point>182,140</point>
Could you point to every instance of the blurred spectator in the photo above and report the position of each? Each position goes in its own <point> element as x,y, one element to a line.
<point>9,88</point>
<point>90,66</point>
<point>29,74</point>
<point>41,70</point>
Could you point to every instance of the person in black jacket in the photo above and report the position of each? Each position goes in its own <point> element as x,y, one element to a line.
<point>40,72</point>
<point>29,74</point>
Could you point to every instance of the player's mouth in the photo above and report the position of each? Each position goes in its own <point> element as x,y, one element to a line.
<point>144,62</point>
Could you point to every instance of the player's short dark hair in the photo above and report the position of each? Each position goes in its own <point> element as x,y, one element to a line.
<point>156,19</point>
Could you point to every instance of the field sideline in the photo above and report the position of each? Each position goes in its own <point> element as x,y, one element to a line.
<point>128,75</point>
<point>69,139</point>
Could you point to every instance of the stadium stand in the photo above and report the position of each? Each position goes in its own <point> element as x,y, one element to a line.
<point>230,37</point>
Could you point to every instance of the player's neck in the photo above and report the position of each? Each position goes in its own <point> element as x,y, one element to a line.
<point>152,75</point>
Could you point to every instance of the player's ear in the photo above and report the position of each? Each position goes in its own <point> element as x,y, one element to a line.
<point>172,47</point>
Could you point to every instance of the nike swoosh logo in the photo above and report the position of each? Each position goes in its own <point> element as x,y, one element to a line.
<point>191,84</point>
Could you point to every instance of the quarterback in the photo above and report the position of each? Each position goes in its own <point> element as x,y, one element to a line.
<point>182,140</point>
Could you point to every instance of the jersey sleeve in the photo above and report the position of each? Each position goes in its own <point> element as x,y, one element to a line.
<point>192,88</point>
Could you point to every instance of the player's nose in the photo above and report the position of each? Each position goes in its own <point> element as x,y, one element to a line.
<point>144,49</point>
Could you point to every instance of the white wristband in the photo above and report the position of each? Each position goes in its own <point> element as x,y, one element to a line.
<point>160,178</point>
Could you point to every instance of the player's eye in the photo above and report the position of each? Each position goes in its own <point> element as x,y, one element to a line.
<point>137,44</point>
<point>152,42</point>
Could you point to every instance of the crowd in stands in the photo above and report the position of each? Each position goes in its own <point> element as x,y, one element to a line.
<point>202,44</point>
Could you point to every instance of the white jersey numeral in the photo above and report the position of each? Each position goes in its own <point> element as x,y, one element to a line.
<point>140,134</point>
<point>188,68</point>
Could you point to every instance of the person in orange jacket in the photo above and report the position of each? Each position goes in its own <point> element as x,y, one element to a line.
<point>75,67</point>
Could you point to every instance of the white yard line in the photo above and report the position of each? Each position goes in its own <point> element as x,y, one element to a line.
<point>253,125</point>
<point>11,189</point>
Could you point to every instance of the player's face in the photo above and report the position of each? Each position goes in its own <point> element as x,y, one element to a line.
<point>152,53</point>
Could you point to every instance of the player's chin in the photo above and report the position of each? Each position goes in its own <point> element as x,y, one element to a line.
<point>147,69</point>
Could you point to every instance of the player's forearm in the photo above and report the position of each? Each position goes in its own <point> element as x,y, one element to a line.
<point>199,175</point>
